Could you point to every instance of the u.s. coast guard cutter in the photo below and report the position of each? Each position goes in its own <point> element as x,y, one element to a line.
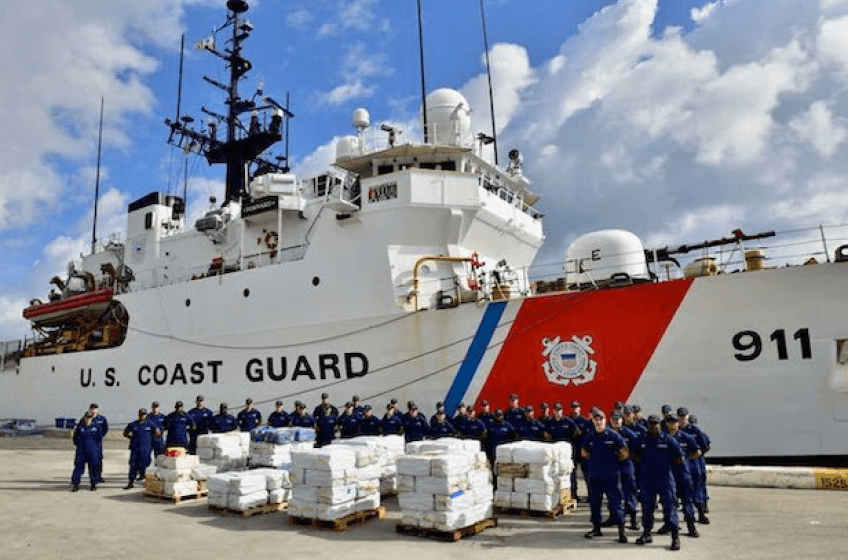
<point>401,273</point>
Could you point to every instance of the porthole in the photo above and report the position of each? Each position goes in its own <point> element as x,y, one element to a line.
<point>315,280</point>
<point>246,292</point>
<point>188,303</point>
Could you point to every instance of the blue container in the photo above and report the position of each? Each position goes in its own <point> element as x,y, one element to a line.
<point>70,423</point>
<point>60,422</point>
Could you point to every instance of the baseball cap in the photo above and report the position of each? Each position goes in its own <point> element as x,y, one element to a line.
<point>682,411</point>
<point>598,413</point>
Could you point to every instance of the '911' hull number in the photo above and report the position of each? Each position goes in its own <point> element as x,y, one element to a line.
<point>749,345</point>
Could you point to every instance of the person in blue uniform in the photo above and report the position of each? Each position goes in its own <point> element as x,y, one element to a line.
<point>224,421</point>
<point>358,409</point>
<point>500,432</point>
<point>301,418</point>
<point>514,414</point>
<point>458,419</point>
<point>472,427</point>
<point>370,425</point>
<point>657,454</point>
<point>325,401</point>
<point>279,418</point>
<point>395,408</point>
<point>249,417</point>
<point>683,474</point>
<point>561,427</point>
<point>638,419</point>
<point>603,449</point>
<point>158,420</point>
<point>87,439</point>
<point>391,423</point>
<point>103,425</point>
<point>202,418</point>
<point>545,414</point>
<point>440,426</point>
<point>177,425</point>
<point>697,467</point>
<point>627,470</point>
<point>141,433</point>
<point>415,426</point>
<point>531,429</point>
<point>348,422</point>
<point>486,416</point>
<point>325,425</point>
<point>440,407</point>
<point>584,426</point>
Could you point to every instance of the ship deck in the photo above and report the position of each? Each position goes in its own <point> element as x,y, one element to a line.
<point>45,519</point>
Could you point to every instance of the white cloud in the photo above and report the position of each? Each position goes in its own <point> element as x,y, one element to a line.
<point>700,14</point>
<point>12,324</point>
<point>353,15</point>
<point>299,18</point>
<point>357,66</point>
<point>817,127</point>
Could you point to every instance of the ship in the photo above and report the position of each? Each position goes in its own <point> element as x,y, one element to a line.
<point>402,272</point>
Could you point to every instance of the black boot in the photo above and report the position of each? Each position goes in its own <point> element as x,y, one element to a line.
<point>607,523</point>
<point>675,539</point>
<point>663,530</point>
<point>645,539</point>
<point>622,538</point>
<point>75,488</point>
<point>128,486</point>
<point>93,487</point>
<point>634,524</point>
<point>595,532</point>
<point>703,519</point>
<point>690,524</point>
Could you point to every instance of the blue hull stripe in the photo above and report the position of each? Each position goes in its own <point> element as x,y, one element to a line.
<point>474,356</point>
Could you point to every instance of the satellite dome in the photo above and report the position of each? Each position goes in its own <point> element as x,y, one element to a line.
<point>448,118</point>
<point>602,256</point>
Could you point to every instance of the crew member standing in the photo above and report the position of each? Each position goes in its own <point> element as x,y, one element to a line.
<point>103,425</point>
<point>248,418</point>
<point>278,418</point>
<point>88,439</point>
<point>698,467</point>
<point>141,433</point>
<point>627,470</point>
<point>603,450</point>
<point>202,419</point>
<point>325,401</point>
<point>158,420</point>
<point>584,427</point>
<point>391,423</point>
<point>178,424</point>
<point>531,429</point>
<point>514,414</point>
<point>325,424</point>
<point>348,422</point>
<point>486,416</point>
<point>500,432</point>
<point>415,426</point>
<point>370,425</point>
<point>224,421</point>
<point>301,418</point>
<point>682,473</point>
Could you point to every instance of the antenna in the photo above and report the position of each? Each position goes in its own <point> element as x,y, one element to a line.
<point>489,74</point>
<point>287,167</point>
<point>97,178</point>
<point>180,82</point>
<point>421,54</point>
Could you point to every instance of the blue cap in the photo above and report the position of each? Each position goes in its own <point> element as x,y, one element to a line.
<point>616,414</point>
<point>653,419</point>
<point>682,411</point>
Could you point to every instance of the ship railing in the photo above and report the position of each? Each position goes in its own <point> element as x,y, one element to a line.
<point>510,197</point>
<point>10,354</point>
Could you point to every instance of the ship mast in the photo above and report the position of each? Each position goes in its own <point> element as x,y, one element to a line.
<point>244,144</point>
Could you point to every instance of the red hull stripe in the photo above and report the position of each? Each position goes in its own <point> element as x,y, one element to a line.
<point>591,346</point>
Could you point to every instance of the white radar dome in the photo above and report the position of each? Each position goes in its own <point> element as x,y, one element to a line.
<point>605,256</point>
<point>361,119</point>
<point>348,147</point>
<point>448,118</point>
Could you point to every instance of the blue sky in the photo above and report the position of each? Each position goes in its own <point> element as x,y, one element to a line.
<point>679,120</point>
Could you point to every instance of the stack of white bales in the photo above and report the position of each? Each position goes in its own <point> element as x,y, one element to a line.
<point>272,447</point>
<point>241,491</point>
<point>333,482</point>
<point>532,475</point>
<point>387,449</point>
<point>444,489</point>
<point>173,476</point>
<point>226,451</point>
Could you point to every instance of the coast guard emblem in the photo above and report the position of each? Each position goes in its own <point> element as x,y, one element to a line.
<point>569,361</point>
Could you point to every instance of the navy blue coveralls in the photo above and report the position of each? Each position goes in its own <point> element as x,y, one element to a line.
<point>584,427</point>
<point>278,419</point>
<point>683,479</point>
<point>224,422</point>
<point>178,425</point>
<point>473,428</point>
<point>415,428</point>
<point>392,424</point>
<point>142,434</point>
<point>103,425</point>
<point>531,430</point>
<point>698,467</point>
<point>370,426</point>
<point>202,418</point>
<point>441,429</point>
<point>304,420</point>
<point>88,440</point>
<point>325,425</point>
<point>499,433</point>
<point>248,419</point>
<point>515,416</point>
<point>627,471</point>
<point>603,468</point>
<point>348,425</point>
<point>158,420</point>
<point>657,457</point>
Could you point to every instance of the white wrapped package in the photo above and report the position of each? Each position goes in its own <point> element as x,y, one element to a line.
<point>297,476</point>
<point>483,494</point>
<point>175,475</point>
<point>547,472</point>
<point>243,502</point>
<point>203,472</point>
<point>450,464</point>
<point>299,508</point>
<point>302,446</point>
<point>505,483</point>
<point>414,465</point>
<point>454,502</point>
<point>544,502</point>
<point>531,486</point>
<point>441,445</point>
<point>388,485</point>
<point>334,477</point>
<point>285,479</point>
<point>248,482</point>
<point>182,462</point>
<point>182,488</point>
<point>371,471</point>
<point>405,483</point>
<point>389,469</point>
<point>305,494</point>
<point>218,499</point>
<point>503,453</point>
<point>327,458</point>
<point>416,501</point>
<point>479,477</point>
<point>337,494</point>
<point>519,500</point>
<point>273,478</point>
<point>367,487</point>
<point>331,512</point>
<point>220,483</point>
<point>444,486</point>
<point>367,503</point>
<point>279,496</point>
<point>533,452</point>
<point>204,453</point>
<point>503,498</point>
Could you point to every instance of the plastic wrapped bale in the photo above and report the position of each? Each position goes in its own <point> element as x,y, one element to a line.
<point>532,475</point>
<point>226,452</point>
<point>444,490</point>
<point>247,490</point>
<point>386,450</point>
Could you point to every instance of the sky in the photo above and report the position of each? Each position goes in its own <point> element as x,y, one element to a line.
<point>679,120</point>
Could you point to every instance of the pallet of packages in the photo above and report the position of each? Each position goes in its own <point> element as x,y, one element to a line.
<point>533,479</point>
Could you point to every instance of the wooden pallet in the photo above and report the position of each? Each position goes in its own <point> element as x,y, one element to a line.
<point>522,512</point>
<point>343,523</point>
<point>174,499</point>
<point>256,510</point>
<point>454,535</point>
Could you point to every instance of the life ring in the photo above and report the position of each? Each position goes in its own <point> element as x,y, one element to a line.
<point>272,239</point>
